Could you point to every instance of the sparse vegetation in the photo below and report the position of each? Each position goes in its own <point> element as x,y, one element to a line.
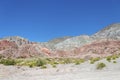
<point>108,58</point>
<point>114,62</point>
<point>38,62</point>
<point>8,61</point>
<point>101,65</point>
<point>112,57</point>
<point>93,60</point>
<point>1,56</point>
<point>31,64</point>
<point>54,65</point>
<point>79,61</point>
<point>43,67</point>
<point>67,61</point>
<point>41,62</point>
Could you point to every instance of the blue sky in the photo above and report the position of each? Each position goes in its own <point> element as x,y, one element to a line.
<point>42,20</point>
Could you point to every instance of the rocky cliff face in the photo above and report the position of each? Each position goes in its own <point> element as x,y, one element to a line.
<point>103,43</point>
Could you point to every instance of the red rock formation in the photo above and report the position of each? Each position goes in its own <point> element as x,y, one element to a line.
<point>4,44</point>
<point>9,49</point>
<point>100,48</point>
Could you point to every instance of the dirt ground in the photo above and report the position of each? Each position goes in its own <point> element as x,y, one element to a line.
<point>84,71</point>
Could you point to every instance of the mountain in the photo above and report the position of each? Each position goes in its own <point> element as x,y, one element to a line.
<point>73,42</point>
<point>51,44</point>
<point>110,32</point>
<point>17,39</point>
<point>19,47</point>
<point>57,40</point>
<point>103,43</point>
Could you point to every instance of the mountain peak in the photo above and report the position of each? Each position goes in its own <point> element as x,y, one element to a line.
<point>116,25</point>
<point>17,39</point>
<point>110,32</point>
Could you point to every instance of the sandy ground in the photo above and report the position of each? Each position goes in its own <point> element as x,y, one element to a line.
<point>84,71</point>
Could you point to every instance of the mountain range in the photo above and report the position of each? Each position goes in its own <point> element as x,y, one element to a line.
<point>103,43</point>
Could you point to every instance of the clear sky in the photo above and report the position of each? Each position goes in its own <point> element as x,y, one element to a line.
<point>42,20</point>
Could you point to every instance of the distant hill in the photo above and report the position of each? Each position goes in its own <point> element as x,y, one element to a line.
<point>103,43</point>
<point>110,32</point>
<point>17,39</point>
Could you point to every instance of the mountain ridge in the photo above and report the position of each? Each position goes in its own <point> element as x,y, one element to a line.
<point>77,46</point>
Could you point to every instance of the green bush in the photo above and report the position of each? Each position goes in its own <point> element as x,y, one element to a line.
<point>43,67</point>
<point>56,62</point>
<point>100,66</point>
<point>114,56</point>
<point>93,60</point>
<point>31,64</point>
<point>41,62</point>
<point>54,65</point>
<point>48,59</point>
<point>109,58</point>
<point>8,61</point>
<point>67,61</point>
<point>79,61</point>
<point>1,56</point>
<point>114,62</point>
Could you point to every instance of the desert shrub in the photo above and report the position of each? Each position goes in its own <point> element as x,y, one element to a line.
<point>41,62</point>
<point>1,56</point>
<point>67,60</point>
<point>93,60</point>
<point>100,66</point>
<point>56,62</point>
<point>8,61</point>
<point>79,61</point>
<point>43,67</point>
<point>54,65</point>
<point>114,56</point>
<point>52,61</point>
<point>26,62</point>
<point>18,61</point>
<point>31,64</point>
<point>48,59</point>
<point>109,58</point>
<point>114,62</point>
